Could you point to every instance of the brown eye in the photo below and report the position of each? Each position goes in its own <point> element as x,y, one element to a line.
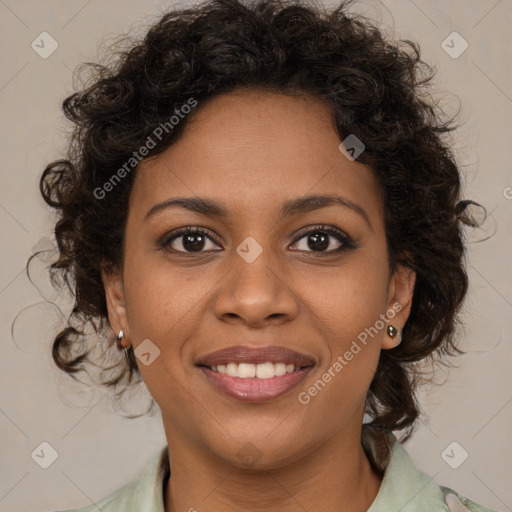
<point>189,240</point>
<point>319,239</point>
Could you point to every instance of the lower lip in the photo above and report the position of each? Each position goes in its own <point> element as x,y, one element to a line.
<point>254,389</point>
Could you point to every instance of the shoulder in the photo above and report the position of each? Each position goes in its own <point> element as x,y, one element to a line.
<point>408,489</point>
<point>145,494</point>
<point>458,503</point>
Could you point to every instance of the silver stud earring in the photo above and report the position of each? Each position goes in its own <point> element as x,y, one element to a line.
<point>393,332</point>
<point>119,337</point>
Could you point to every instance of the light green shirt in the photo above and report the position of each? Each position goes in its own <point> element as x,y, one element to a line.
<point>403,489</point>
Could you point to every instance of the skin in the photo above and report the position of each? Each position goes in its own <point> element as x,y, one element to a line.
<point>252,150</point>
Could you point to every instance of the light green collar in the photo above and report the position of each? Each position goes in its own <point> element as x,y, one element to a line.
<point>404,488</point>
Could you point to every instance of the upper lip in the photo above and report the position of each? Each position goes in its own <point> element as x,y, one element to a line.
<point>246,354</point>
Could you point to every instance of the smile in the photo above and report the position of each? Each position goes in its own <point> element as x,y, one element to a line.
<point>266,370</point>
<point>255,373</point>
<point>267,383</point>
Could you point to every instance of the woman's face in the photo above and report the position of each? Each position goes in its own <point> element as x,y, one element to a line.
<point>267,272</point>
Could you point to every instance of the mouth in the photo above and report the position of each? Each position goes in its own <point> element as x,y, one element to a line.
<point>266,370</point>
<point>251,374</point>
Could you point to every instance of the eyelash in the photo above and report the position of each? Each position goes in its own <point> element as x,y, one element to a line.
<point>344,239</point>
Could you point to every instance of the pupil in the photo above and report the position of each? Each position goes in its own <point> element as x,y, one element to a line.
<point>192,245</point>
<point>315,243</point>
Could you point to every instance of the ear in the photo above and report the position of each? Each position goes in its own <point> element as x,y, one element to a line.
<point>116,306</point>
<point>400,293</point>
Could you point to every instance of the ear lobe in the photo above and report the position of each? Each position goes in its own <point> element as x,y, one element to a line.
<point>401,292</point>
<point>116,306</point>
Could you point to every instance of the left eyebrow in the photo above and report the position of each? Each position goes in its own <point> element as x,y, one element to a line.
<point>315,202</point>
<point>305,204</point>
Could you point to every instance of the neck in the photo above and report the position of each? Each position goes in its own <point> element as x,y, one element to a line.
<point>336,477</point>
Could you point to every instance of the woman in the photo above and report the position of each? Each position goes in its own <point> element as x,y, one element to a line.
<point>259,207</point>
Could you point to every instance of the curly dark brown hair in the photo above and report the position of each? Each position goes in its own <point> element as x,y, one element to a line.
<point>378,90</point>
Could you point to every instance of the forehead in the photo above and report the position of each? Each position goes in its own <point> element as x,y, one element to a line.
<point>254,149</point>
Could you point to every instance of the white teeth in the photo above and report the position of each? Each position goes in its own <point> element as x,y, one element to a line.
<point>279,368</point>
<point>232,369</point>
<point>265,370</point>
<point>246,370</point>
<point>260,371</point>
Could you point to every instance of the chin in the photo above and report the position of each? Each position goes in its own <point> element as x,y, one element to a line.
<point>259,452</point>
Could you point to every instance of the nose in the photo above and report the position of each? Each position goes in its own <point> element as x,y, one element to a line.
<point>255,294</point>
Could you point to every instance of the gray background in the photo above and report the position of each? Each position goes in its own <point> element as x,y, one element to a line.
<point>98,450</point>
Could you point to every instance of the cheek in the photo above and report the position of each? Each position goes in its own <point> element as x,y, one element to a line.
<point>351,322</point>
<point>350,299</point>
<point>159,298</point>
<point>356,299</point>
<point>164,307</point>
